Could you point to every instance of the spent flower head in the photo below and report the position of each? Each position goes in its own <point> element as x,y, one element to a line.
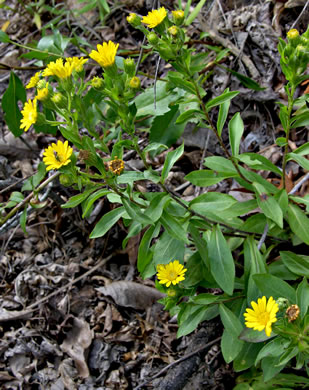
<point>30,114</point>
<point>57,155</point>
<point>34,80</point>
<point>292,312</point>
<point>171,273</point>
<point>105,56</point>
<point>155,17</point>
<point>262,315</point>
<point>116,165</point>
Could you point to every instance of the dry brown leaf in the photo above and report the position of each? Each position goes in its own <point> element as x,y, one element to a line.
<point>131,294</point>
<point>78,339</point>
<point>10,315</point>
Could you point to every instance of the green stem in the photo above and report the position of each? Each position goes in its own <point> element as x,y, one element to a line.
<point>286,146</point>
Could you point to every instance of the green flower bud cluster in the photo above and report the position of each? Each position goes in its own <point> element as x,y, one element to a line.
<point>294,54</point>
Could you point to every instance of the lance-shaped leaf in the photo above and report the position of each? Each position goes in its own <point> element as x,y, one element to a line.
<point>107,221</point>
<point>236,129</point>
<point>170,160</point>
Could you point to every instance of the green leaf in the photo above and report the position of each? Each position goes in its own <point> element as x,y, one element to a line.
<point>92,198</point>
<point>226,96</point>
<point>23,220</point>
<point>145,255</point>
<point>253,336</point>
<point>220,164</point>
<point>168,249</point>
<point>107,222</point>
<point>202,313</point>
<point>302,297</point>
<point>272,286</point>
<point>236,130</point>
<point>230,322</point>
<point>256,161</point>
<point>246,81</point>
<point>78,199</point>
<point>268,205</point>
<point>271,368</point>
<point>165,129</point>
<point>170,160</point>
<point>174,228</point>
<point>14,93</point>
<point>300,120</point>
<point>230,346</point>
<point>223,112</point>
<point>4,37</point>
<point>130,177</point>
<point>195,12</point>
<point>299,222</point>
<point>222,265</point>
<point>205,178</point>
<point>302,161</point>
<point>155,208</point>
<point>299,265</point>
<point>273,349</point>
<point>212,202</point>
<point>247,356</point>
<point>135,212</point>
<point>302,150</point>
<point>200,245</point>
<point>145,101</point>
<point>178,80</point>
<point>204,299</point>
<point>187,115</point>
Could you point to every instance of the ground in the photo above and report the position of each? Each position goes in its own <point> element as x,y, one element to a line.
<point>74,312</point>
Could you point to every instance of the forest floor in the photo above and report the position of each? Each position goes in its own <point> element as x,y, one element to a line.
<point>71,313</point>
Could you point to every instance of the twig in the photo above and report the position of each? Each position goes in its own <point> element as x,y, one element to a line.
<point>70,284</point>
<point>178,361</point>
<point>263,238</point>
<point>299,184</point>
<point>300,15</point>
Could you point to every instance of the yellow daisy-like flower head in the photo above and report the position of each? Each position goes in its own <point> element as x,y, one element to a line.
<point>155,17</point>
<point>57,155</point>
<point>34,80</point>
<point>77,63</point>
<point>42,93</point>
<point>58,69</point>
<point>171,273</point>
<point>262,316</point>
<point>30,115</point>
<point>105,56</point>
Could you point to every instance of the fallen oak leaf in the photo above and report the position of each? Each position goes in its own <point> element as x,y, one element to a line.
<point>131,294</point>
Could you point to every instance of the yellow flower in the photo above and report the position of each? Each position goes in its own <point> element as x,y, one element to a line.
<point>42,93</point>
<point>34,80</point>
<point>57,155</point>
<point>292,34</point>
<point>116,166</point>
<point>77,63</point>
<point>155,17</point>
<point>30,114</point>
<point>105,56</point>
<point>171,273</point>
<point>59,69</point>
<point>262,316</point>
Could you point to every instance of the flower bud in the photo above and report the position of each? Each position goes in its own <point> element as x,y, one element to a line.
<point>135,83</point>
<point>173,30</point>
<point>66,180</point>
<point>178,17</point>
<point>41,84</point>
<point>97,83</point>
<point>283,303</point>
<point>153,38</point>
<point>59,100</point>
<point>129,66</point>
<point>134,20</point>
<point>172,293</point>
<point>292,34</point>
